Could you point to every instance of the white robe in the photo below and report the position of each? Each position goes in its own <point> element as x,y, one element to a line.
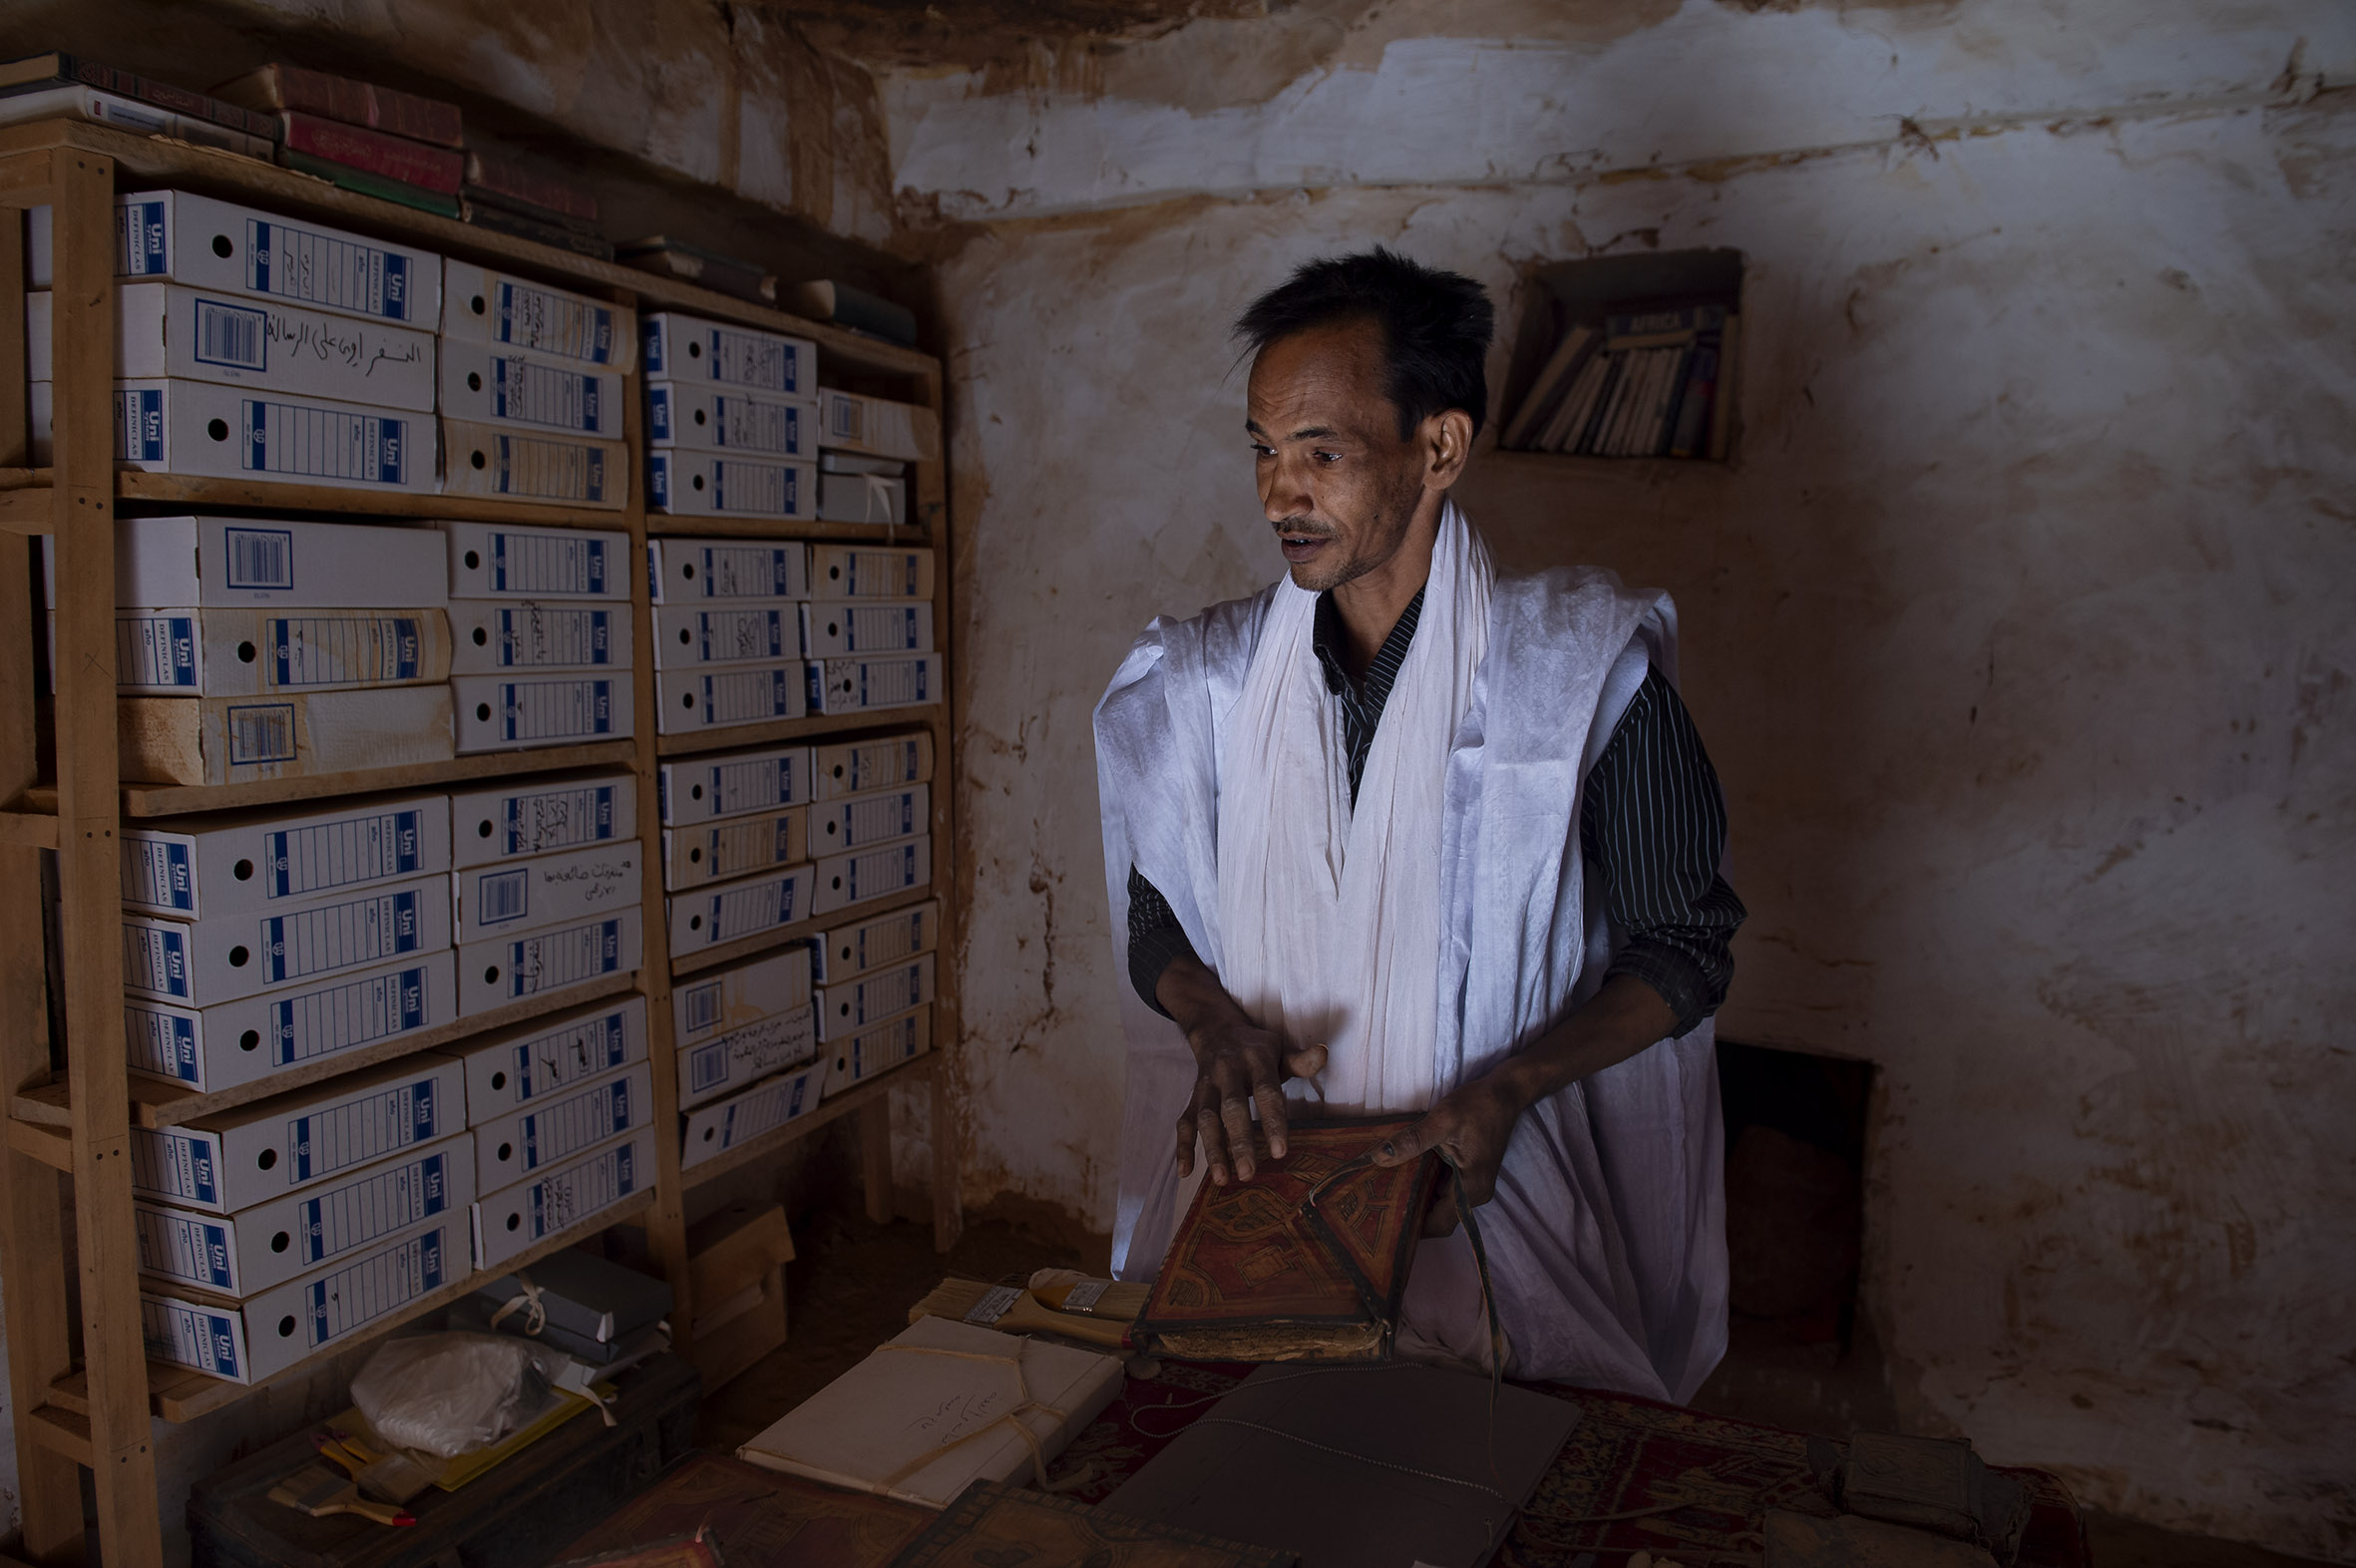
<point>1606,1237</point>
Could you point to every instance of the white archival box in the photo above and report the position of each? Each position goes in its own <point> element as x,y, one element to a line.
<point>502,969</point>
<point>837,627</point>
<point>689,636</point>
<point>170,329</point>
<point>287,1325</point>
<point>733,783</point>
<point>256,1153</point>
<point>704,1006</point>
<point>556,708</point>
<point>236,652</point>
<point>850,1006</point>
<point>850,822</point>
<point>508,1221</point>
<point>861,497</point>
<point>869,572</point>
<point>544,1056</point>
<point>535,1059</point>
<point>271,859</point>
<point>877,426</point>
<point>221,958</point>
<point>490,636</point>
<point>746,1054</point>
<point>731,911</point>
<point>225,432</point>
<point>234,1043</point>
<point>714,1129</point>
<point>853,949</point>
<point>854,767</point>
<point>209,561</point>
<point>218,244</point>
<point>686,483</point>
<point>559,889</point>
<point>502,560</point>
<point>284,735</point>
<point>695,570</point>
<point>714,418</point>
<point>538,816</point>
<point>480,305</point>
<point>680,347</point>
<point>878,1049</point>
<point>511,463</point>
<point>703,697</point>
<point>864,684</point>
<point>733,847</point>
<point>553,1127</point>
<point>239,1255</point>
<point>861,875</point>
<point>880,1419</point>
<point>506,386</point>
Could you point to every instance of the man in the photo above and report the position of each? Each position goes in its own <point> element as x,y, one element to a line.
<point>1397,835</point>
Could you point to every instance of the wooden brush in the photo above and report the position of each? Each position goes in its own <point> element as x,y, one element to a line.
<point>390,1477</point>
<point>1015,1311</point>
<point>321,1493</point>
<point>1119,1300</point>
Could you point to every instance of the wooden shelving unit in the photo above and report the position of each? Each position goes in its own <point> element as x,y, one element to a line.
<point>72,1105</point>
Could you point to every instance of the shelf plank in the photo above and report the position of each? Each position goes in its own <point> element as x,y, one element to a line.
<point>28,509</point>
<point>182,1393</point>
<point>799,931</point>
<point>29,829</point>
<point>19,478</point>
<point>157,1103</point>
<point>143,162</point>
<point>740,735</point>
<point>61,1430</point>
<point>830,1109</point>
<point>905,535</point>
<point>165,800</point>
<point>198,490</point>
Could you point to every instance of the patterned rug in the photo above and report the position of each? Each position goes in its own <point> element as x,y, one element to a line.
<point>1636,1475</point>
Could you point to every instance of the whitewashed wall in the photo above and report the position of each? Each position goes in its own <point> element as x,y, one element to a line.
<point>2019,630</point>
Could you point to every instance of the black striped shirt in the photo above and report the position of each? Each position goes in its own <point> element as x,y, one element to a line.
<point>1653,824</point>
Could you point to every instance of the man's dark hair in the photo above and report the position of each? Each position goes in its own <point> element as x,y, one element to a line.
<point>1436,326</point>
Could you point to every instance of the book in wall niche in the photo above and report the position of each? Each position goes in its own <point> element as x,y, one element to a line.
<point>1640,382</point>
<point>1257,1271</point>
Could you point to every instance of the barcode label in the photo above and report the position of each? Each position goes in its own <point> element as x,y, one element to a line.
<point>261,558</point>
<point>552,959</point>
<point>556,819</point>
<point>343,1137</point>
<point>156,651</point>
<point>159,872</point>
<point>236,336</point>
<point>575,1124</point>
<point>748,572</point>
<point>548,563</point>
<point>703,1007</point>
<point>547,635</point>
<point>340,936</point>
<point>534,394</point>
<point>552,324</point>
<point>547,470</point>
<point>335,1223</point>
<point>325,269</point>
<point>342,1017</point>
<point>555,709</point>
<point>742,696</point>
<point>373,1287</point>
<point>322,443</point>
<point>755,1050</point>
<point>502,896</point>
<point>738,787</point>
<point>327,650</point>
<point>327,854</point>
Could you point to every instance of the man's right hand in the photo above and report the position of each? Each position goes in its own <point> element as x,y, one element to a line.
<point>1238,1065</point>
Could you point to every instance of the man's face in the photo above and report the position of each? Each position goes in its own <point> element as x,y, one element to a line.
<point>1337,480</point>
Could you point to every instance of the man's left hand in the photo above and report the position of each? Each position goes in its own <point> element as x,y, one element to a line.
<point>1470,1128</point>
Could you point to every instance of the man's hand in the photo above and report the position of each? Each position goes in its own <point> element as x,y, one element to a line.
<point>1239,1065</point>
<point>1470,1128</point>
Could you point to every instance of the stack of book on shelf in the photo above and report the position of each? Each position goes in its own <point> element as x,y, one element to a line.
<point>47,85</point>
<point>359,136</point>
<point>513,193</point>
<point>670,257</point>
<point>1642,384</point>
<point>251,347</point>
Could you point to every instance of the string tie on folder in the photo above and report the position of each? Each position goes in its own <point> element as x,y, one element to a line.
<point>1013,1417</point>
<point>529,1302</point>
<point>877,506</point>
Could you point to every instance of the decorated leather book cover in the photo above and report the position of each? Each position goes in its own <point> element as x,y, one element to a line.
<point>994,1525</point>
<point>756,1518</point>
<point>1306,1260</point>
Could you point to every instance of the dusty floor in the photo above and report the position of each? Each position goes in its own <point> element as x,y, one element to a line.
<point>854,1281</point>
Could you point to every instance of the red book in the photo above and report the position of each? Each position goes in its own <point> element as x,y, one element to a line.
<point>286,86</point>
<point>500,175</point>
<point>355,147</point>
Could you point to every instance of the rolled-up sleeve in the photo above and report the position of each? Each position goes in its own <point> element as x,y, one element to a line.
<point>1155,939</point>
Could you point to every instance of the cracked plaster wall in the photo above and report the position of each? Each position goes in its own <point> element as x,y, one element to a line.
<point>2017,628</point>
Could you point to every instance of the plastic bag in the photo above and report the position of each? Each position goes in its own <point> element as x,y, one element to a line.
<point>450,1394</point>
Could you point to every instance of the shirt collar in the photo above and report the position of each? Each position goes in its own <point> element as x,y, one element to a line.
<point>1327,638</point>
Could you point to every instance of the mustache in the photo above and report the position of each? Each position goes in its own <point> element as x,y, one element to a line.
<point>1297,528</point>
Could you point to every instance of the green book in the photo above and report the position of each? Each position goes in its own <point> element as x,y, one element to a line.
<point>361,182</point>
